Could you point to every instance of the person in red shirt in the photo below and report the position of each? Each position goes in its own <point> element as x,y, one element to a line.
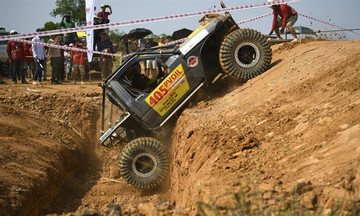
<point>77,59</point>
<point>15,51</point>
<point>104,16</point>
<point>29,61</point>
<point>284,16</point>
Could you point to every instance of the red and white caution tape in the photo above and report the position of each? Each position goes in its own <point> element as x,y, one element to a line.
<point>143,21</point>
<point>121,56</point>
<point>90,51</point>
<point>327,23</point>
<point>66,47</point>
<point>254,18</point>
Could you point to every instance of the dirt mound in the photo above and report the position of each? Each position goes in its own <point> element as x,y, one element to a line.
<point>296,125</point>
<point>288,139</point>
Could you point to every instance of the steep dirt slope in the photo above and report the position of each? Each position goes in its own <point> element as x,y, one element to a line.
<point>296,127</point>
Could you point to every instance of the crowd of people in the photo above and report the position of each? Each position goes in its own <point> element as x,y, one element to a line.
<point>28,62</point>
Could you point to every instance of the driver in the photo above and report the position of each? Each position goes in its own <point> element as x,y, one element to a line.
<point>140,81</point>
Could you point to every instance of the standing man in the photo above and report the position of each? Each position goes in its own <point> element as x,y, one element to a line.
<point>106,62</point>
<point>39,58</point>
<point>127,46</point>
<point>1,74</point>
<point>66,22</point>
<point>150,69</point>
<point>29,61</point>
<point>78,63</point>
<point>104,16</point>
<point>15,51</point>
<point>55,58</point>
<point>288,17</point>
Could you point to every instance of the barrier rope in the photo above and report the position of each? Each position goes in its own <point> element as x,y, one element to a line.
<point>327,23</point>
<point>254,18</point>
<point>170,43</point>
<point>65,47</point>
<point>142,21</point>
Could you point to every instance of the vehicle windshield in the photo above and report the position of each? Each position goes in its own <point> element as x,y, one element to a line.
<point>143,76</point>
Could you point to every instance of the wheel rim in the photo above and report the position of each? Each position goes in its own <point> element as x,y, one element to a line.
<point>144,165</point>
<point>247,54</point>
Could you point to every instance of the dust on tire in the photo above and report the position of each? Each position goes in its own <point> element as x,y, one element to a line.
<point>144,163</point>
<point>245,54</point>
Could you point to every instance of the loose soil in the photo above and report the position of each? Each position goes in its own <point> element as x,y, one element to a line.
<point>291,136</point>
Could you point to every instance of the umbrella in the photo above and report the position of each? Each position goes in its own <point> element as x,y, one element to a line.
<point>139,33</point>
<point>302,30</point>
<point>151,36</point>
<point>182,33</point>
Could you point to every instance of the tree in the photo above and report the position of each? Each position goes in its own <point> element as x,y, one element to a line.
<point>76,8</point>
<point>115,35</point>
<point>51,26</point>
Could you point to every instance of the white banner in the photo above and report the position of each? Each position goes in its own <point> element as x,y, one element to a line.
<point>89,5</point>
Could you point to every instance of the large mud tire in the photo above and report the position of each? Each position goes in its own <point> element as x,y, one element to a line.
<point>245,54</point>
<point>144,163</point>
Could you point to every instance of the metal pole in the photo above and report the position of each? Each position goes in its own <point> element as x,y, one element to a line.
<point>103,112</point>
<point>111,114</point>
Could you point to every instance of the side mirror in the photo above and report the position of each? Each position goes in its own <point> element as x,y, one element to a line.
<point>222,4</point>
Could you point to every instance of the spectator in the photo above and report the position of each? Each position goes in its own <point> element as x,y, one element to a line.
<point>55,58</point>
<point>78,63</point>
<point>61,77</point>
<point>39,58</point>
<point>103,15</point>
<point>15,51</point>
<point>1,74</point>
<point>162,41</point>
<point>168,39</point>
<point>29,61</point>
<point>44,70</point>
<point>106,62</point>
<point>142,43</point>
<point>67,23</point>
<point>67,63</point>
<point>127,45</point>
<point>288,17</point>
<point>150,70</point>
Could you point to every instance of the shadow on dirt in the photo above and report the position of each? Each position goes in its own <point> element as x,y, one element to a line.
<point>87,173</point>
<point>220,87</point>
<point>70,197</point>
<point>275,63</point>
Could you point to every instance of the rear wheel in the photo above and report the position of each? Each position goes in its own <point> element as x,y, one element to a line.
<point>244,54</point>
<point>143,163</point>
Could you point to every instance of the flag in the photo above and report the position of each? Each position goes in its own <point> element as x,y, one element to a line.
<point>89,8</point>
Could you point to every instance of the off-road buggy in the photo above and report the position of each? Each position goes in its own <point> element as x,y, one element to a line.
<point>217,46</point>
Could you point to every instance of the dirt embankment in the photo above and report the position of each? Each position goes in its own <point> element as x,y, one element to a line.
<point>291,134</point>
<point>288,137</point>
<point>45,137</point>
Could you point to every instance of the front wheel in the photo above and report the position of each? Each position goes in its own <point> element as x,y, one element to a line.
<point>244,54</point>
<point>144,163</point>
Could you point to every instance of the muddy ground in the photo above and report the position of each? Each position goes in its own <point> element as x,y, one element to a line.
<point>288,140</point>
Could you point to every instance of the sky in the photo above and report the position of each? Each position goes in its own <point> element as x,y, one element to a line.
<point>25,16</point>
